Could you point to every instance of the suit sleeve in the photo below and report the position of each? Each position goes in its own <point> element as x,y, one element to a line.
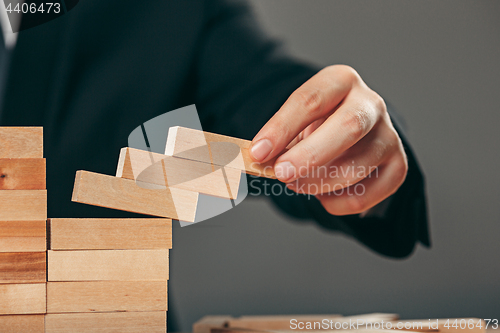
<point>242,78</point>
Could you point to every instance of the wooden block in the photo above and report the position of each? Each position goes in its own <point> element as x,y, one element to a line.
<point>180,173</point>
<point>280,322</point>
<point>22,324</point>
<point>23,236</point>
<point>106,296</point>
<point>22,173</point>
<point>22,267</point>
<point>123,265</point>
<point>22,298</point>
<point>205,324</point>
<point>110,234</point>
<point>124,194</point>
<point>112,322</point>
<point>23,205</point>
<point>21,142</point>
<point>218,149</point>
<point>373,317</point>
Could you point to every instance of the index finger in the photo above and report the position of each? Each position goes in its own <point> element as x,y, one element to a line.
<point>314,99</point>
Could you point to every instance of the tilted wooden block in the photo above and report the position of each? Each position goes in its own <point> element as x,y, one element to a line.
<point>112,322</point>
<point>23,205</point>
<point>123,265</point>
<point>124,194</point>
<point>21,142</point>
<point>22,267</point>
<point>110,234</point>
<point>22,323</point>
<point>22,298</point>
<point>218,149</point>
<point>23,236</point>
<point>180,173</point>
<point>22,173</point>
<point>106,296</point>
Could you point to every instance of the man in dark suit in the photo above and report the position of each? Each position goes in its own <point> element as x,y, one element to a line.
<point>93,75</point>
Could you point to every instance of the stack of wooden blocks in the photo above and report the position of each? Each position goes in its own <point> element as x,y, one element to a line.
<point>104,275</point>
<point>23,214</point>
<point>108,275</point>
<point>168,185</point>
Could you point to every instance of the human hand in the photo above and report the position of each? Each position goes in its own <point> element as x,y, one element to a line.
<point>342,145</point>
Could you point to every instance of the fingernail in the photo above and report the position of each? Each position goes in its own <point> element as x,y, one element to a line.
<point>284,171</point>
<point>261,149</point>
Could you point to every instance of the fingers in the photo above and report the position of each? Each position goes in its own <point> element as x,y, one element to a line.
<point>355,117</point>
<point>314,99</point>
<point>352,166</point>
<point>368,192</point>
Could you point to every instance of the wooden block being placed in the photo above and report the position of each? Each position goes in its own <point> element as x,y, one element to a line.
<point>124,194</point>
<point>21,142</point>
<point>122,265</point>
<point>23,205</point>
<point>112,322</point>
<point>218,149</point>
<point>23,236</point>
<point>106,296</point>
<point>22,298</point>
<point>22,267</point>
<point>22,324</point>
<point>22,173</point>
<point>180,173</point>
<point>110,234</point>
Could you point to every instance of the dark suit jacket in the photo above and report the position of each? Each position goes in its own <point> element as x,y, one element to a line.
<point>93,75</point>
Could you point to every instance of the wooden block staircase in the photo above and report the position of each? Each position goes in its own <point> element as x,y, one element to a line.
<point>103,275</point>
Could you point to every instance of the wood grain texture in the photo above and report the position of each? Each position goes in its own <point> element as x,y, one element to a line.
<point>123,265</point>
<point>106,296</point>
<point>124,194</point>
<point>22,323</point>
<point>180,173</point>
<point>23,236</point>
<point>22,298</point>
<point>23,205</point>
<point>21,142</point>
<point>217,149</point>
<point>110,234</point>
<point>112,322</point>
<point>23,267</point>
<point>22,173</point>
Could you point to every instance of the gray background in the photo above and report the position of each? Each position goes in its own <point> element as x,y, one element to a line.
<point>438,64</point>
